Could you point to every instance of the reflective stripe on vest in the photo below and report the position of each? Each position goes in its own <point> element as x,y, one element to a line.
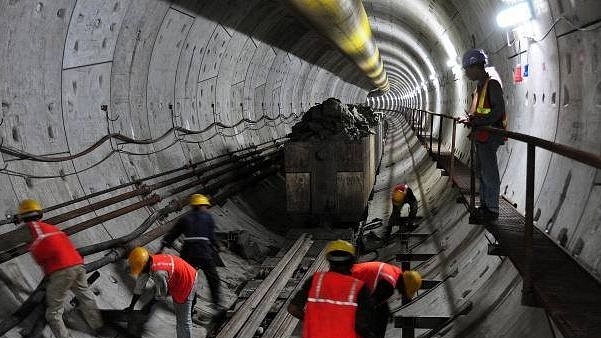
<point>478,109</point>
<point>372,272</point>
<point>350,300</point>
<point>180,275</point>
<point>40,235</point>
<point>331,306</point>
<point>189,239</point>
<point>51,248</point>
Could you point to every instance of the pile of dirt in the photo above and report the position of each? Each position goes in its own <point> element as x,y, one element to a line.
<point>332,118</point>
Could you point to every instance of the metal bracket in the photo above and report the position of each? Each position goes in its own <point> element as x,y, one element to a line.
<point>495,249</point>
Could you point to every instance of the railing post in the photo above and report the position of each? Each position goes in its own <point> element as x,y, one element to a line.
<point>472,171</point>
<point>422,121</point>
<point>406,331</point>
<point>439,138</point>
<point>528,295</point>
<point>419,125</point>
<point>431,128</point>
<point>452,172</point>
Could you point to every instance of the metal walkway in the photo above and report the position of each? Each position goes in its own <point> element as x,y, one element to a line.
<point>569,293</point>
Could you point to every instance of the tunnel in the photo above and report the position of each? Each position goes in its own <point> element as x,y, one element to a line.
<point>114,112</point>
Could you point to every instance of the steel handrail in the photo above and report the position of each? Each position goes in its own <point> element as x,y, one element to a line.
<point>528,294</point>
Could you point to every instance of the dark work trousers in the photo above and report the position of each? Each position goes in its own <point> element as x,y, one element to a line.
<point>488,172</point>
<point>210,271</point>
<point>395,216</point>
<point>378,320</point>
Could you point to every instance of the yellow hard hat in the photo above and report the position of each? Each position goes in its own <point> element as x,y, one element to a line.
<point>398,197</point>
<point>199,199</point>
<point>29,205</point>
<point>137,259</point>
<point>412,281</point>
<point>339,245</point>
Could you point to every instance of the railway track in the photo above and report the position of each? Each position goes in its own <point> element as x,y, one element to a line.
<point>251,315</point>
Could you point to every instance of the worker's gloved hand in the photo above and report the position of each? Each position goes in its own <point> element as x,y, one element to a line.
<point>466,121</point>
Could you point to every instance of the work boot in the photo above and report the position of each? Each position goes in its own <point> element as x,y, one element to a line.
<point>218,310</point>
<point>483,215</point>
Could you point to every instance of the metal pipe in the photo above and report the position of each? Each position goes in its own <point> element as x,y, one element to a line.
<point>528,295</point>
<point>345,23</point>
<point>138,238</point>
<point>143,190</point>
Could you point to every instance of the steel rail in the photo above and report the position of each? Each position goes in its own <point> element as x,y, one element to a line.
<point>284,323</point>
<point>237,322</point>
<point>254,321</point>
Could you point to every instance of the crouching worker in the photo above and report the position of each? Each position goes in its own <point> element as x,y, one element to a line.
<point>172,276</point>
<point>333,304</point>
<point>401,195</point>
<point>381,279</point>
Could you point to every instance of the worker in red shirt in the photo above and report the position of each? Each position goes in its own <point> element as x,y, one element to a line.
<point>172,276</point>
<point>62,264</point>
<point>333,304</point>
<point>381,280</point>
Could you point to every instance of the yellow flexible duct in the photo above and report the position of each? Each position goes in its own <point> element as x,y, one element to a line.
<point>345,23</point>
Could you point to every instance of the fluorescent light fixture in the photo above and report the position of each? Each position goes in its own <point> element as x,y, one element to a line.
<point>451,63</point>
<point>432,77</point>
<point>514,15</point>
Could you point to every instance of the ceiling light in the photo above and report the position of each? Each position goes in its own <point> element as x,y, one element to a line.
<point>515,15</point>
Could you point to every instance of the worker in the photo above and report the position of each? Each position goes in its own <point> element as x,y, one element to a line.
<point>200,244</point>
<point>381,280</point>
<point>332,303</point>
<point>487,109</point>
<point>171,276</point>
<point>62,264</point>
<point>401,195</point>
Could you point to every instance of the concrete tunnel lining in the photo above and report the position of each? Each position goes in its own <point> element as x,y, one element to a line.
<point>224,61</point>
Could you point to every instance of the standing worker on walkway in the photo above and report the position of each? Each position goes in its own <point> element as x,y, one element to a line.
<point>200,244</point>
<point>487,109</point>
<point>401,195</point>
<point>171,276</point>
<point>381,280</point>
<point>333,304</point>
<point>63,267</point>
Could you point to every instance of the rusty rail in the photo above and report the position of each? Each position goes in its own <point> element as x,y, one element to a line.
<point>121,246</point>
<point>250,166</point>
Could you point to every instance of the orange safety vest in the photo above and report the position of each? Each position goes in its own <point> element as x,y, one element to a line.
<point>331,306</point>
<point>480,107</point>
<point>180,275</point>
<point>373,272</point>
<point>51,248</point>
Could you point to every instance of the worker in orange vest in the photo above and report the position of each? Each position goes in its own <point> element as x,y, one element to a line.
<point>401,195</point>
<point>171,276</point>
<point>333,304</point>
<point>62,264</point>
<point>381,279</point>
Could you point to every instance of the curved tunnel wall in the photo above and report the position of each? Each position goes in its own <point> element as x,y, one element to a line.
<point>212,61</point>
<point>222,61</point>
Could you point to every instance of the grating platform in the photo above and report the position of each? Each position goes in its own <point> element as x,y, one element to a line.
<point>569,293</point>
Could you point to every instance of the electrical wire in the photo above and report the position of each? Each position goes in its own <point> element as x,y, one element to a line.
<point>125,140</point>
